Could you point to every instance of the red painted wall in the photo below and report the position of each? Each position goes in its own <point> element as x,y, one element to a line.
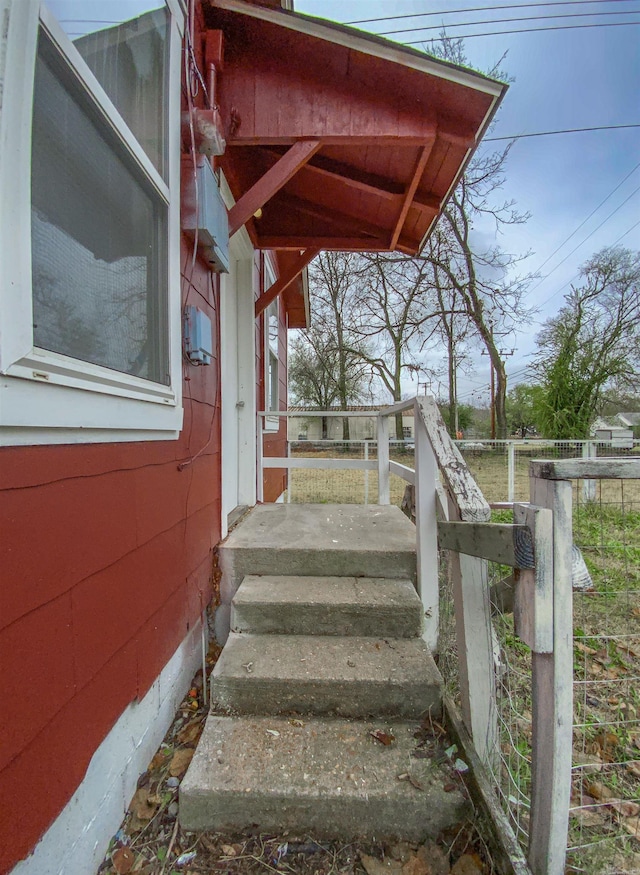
<point>106,565</point>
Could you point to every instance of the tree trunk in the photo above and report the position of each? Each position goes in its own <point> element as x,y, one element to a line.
<point>500,399</point>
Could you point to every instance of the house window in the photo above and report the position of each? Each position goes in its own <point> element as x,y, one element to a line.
<point>94,299</point>
<point>272,376</point>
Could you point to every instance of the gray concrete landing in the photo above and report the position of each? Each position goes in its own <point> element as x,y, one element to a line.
<point>329,778</point>
<point>336,540</point>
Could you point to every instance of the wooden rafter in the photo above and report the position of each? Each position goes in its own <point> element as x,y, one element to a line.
<point>353,225</point>
<point>272,181</point>
<point>336,243</point>
<point>285,279</point>
<point>416,176</point>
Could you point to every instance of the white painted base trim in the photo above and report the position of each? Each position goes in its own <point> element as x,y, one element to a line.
<point>76,842</point>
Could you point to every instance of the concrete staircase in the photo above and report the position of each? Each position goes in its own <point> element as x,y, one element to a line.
<point>316,669</point>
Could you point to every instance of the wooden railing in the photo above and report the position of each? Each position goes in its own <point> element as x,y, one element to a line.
<point>452,514</point>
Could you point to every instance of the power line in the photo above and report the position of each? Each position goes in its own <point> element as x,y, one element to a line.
<point>527,30</point>
<point>508,20</point>
<point>597,228</point>
<point>573,3</point>
<point>632,228</point>
<point>565,131</point>
<point>592,213</point>
<point>573,278</point>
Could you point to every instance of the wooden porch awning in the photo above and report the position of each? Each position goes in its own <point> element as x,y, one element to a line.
<point>337,139</point>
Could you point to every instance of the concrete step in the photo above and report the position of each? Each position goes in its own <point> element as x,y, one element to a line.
<point>341,540</point>
<point>365,606</point>
<point>326,777</point>
<point>323,674</point>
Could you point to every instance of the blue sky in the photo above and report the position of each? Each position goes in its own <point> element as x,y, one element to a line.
<point>563,79</point>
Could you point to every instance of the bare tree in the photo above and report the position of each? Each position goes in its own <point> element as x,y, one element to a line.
<point>331,281</point>
<point>315,376</point>
<point>483,280</point>
<point>397,316</point>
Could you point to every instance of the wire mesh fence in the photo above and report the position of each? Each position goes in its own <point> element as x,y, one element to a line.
<point>604,827</point>
<point>604,817</point>
<point>339,486</point>
<point>501,468</point>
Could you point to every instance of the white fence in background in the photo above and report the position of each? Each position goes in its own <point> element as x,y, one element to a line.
<point>452,514</point>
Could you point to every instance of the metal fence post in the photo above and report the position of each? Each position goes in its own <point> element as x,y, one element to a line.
<point>589,486</point>
<point>366,473</point>
<point>511,473</point>
<point>383,460</point>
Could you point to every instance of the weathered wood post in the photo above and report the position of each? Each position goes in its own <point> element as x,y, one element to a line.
<point>426,530</point>
<point>552,692</point>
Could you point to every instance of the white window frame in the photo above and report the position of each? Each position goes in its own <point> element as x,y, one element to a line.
<point>47,397</point>
<point>271,423</point>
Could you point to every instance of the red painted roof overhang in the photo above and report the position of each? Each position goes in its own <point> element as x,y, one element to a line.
<point>346,141</point>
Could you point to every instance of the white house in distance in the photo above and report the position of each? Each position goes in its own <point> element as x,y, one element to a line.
<point>309,425</point>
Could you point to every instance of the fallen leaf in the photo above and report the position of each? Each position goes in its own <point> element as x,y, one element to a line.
<point>143,806</point>
<point>588,817</point>
<point>228,850</point>
<point>598,791</point>
<point>633,766</point>
<point>159,759</point>
<point>416,866</point>
<point>190,733</point>
<point>606,744</point>
<point>435,857</point>
<point>468,864</point>
<point>180,761</point>
<point>123,860</point>
<point>295,722</point>
<point>632,826</point>
<point>625,807</point>
<point>273,732</point>
<point>383,737</point>
<point>373,866</point>
<point>583,648</point>
<point>401,851</point>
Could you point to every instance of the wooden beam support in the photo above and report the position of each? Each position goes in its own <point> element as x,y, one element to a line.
<point>410,190</point>
<point>498,542</point>
<point>370,183</point>
<point>347,223</point>
<point>284,281</point>
<point>272,181</point>
<point>340,244</point>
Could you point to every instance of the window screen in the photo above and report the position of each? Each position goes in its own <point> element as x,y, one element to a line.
<point>99,235</point>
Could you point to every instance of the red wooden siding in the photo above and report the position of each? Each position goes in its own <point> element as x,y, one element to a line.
<point>106,565</point>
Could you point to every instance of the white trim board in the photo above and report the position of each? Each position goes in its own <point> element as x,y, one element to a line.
<point>76,842</point>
